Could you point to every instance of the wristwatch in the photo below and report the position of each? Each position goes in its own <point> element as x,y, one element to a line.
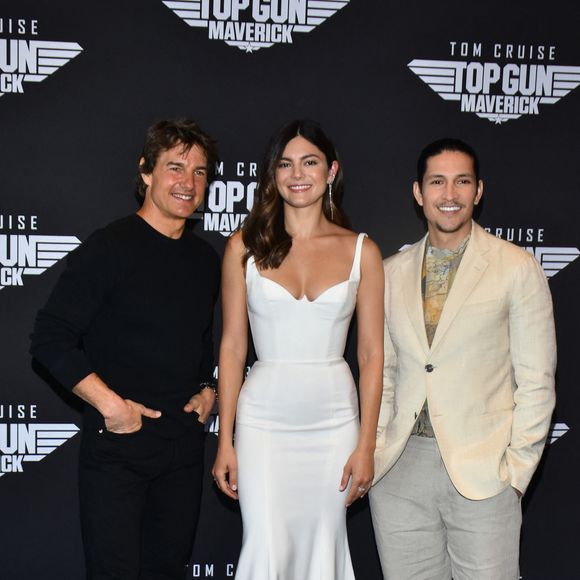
<point>209,385</point>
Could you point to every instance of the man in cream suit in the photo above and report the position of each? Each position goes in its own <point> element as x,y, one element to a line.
<point>468,393</point>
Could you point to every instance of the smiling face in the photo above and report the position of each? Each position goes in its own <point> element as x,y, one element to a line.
<point>175,188</point>
<point>448,193</point>
<point>303,174</point>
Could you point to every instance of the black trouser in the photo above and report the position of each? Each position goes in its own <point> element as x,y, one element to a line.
<point>139,498</point>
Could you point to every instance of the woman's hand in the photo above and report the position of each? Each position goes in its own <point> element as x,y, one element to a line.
<point>360,470</point>
<point>225,471</point>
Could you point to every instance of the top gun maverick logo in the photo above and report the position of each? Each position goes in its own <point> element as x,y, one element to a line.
<point>29,61</point>
<point>552,259</point>
<point>23,441</point>
<point>23,254</point>
<point>525,78</point>
<point>229,200</point>
<point>254,24</point>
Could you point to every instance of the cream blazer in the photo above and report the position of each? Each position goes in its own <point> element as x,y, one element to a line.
<point>489,374</point>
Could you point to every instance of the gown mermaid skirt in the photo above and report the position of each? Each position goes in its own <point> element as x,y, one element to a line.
<point>297,424</point>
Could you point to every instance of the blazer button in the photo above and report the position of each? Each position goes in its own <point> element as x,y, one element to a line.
<point>429,368</point>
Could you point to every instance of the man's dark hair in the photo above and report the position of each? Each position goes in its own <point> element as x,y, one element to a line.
<point>170,133</point>
<point>441,145</point>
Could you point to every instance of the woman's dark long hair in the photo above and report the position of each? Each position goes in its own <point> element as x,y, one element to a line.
<point>263,231</point>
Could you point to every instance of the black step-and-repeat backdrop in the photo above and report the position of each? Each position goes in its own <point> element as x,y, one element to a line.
<point>80,82</point>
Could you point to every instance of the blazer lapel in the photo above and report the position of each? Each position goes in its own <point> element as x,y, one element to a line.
<point>470,271</point>
<point>413,297</point>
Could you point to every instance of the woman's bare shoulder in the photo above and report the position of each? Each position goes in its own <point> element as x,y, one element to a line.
<point>235,245</point>
<point>236,242</point>
<point>341,234</point>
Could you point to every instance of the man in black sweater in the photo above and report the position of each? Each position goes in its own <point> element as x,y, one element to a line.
<point>128,328</point>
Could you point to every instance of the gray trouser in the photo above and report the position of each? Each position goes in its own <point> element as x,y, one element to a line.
<point>426,530</point>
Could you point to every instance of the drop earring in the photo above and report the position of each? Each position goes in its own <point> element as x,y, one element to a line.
<point>330,201</point>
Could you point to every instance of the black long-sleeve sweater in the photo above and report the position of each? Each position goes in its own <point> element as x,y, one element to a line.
<point>135,307</point>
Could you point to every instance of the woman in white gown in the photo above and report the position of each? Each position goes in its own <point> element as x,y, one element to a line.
<point>301,457</point>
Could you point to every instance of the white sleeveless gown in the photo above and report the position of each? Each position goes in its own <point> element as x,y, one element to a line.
<point>297,424</point>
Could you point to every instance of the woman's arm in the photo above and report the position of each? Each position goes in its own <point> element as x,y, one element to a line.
<point>232,360</point>
<point>370,320</point>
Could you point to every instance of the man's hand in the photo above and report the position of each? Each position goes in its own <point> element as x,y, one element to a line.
<point>121,415</point>
<point>127,417</point>
<point>202,403</point>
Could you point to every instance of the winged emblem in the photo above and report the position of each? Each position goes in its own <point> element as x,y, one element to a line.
<point>441,76</point>
<point>565,79</point>
<point>45,57</point>
<point>553,260</point>
<point>446,79</point>
<point>319,11</point>
<point>33,255</point>
<point>196,14</point>
<point>32,442</point>
<point>557,430</point>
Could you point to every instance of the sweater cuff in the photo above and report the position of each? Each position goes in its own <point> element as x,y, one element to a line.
<point>71,369</point>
